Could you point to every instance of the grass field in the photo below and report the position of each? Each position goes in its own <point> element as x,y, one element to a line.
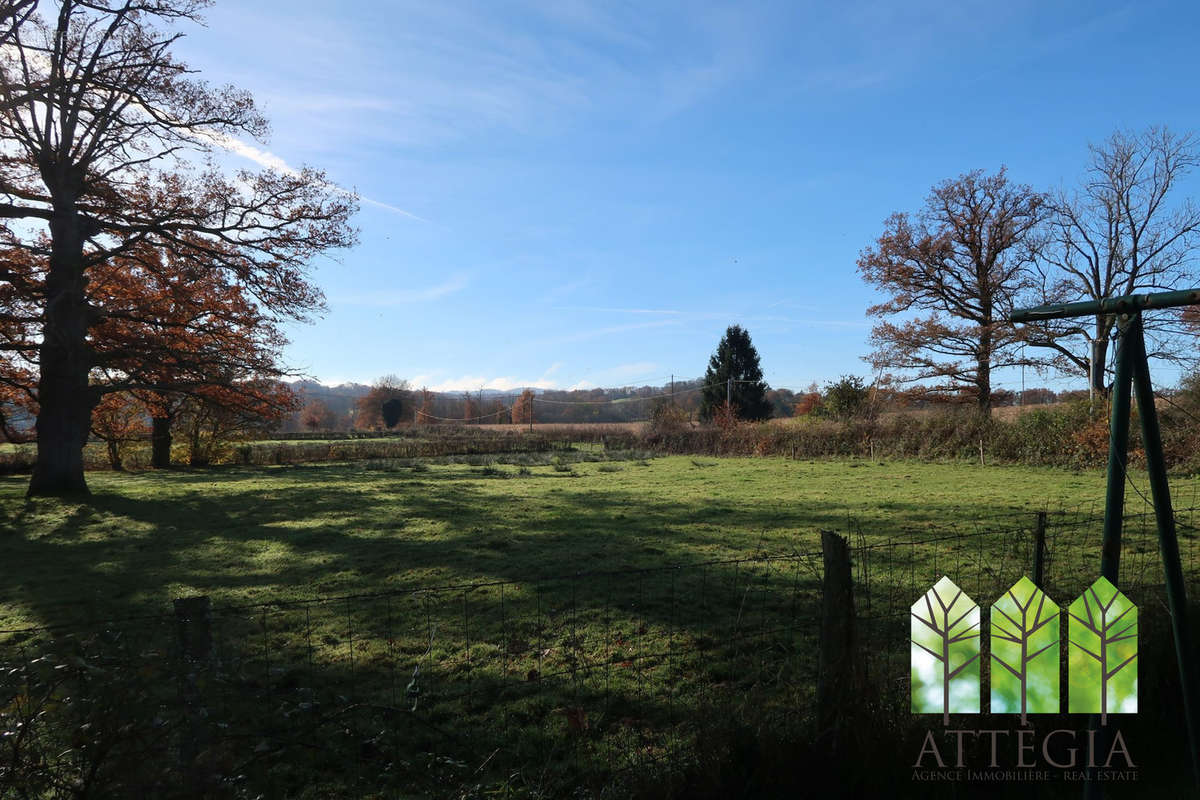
<point>582,667</point>
<point>250,534</point>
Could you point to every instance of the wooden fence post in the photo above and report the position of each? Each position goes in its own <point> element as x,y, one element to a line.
<point>194,629</point>
<point>193,615</point>
<point>1039,549</point>
<point>837,670</point>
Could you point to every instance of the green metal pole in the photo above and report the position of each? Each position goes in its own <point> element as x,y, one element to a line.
<point>1129,304</point>
<point>1118,453</point>
<point>1160,491</point>
<point>1114,503</point>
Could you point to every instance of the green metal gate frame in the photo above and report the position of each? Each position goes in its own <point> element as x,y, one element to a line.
<point>1133,372</point>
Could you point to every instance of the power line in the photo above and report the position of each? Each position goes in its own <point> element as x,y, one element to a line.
<point>504,410</point>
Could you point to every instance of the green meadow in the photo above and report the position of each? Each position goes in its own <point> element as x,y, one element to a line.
<point>536,620</point>
<point>298,532</point>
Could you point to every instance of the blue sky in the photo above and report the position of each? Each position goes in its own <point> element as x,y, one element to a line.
<point>570,193</point>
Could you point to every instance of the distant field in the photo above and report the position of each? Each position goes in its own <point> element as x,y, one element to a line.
<point>96,450</point>
<point>568,427</point>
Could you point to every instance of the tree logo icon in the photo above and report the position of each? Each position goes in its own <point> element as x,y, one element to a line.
<point>1104,643</point>
<point>1025,637</point>
<point>1025,645</point>
<point>945,652</point>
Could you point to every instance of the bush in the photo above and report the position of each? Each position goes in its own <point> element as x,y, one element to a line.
<point>666,418</point>
<point>845,399</point>
<point>1070,435</point>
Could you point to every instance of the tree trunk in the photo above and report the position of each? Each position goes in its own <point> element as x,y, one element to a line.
<point>64,399</point>
<point>160,442</point>
<point>1099,356</point>
<point>114,455</point>
<point>196,456</point>
<point>983,365</point>
<point>984,382</point>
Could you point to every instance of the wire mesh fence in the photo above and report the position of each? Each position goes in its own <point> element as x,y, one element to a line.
<point>591,672</point>
<point>569,680</point>
<point>985,561</point>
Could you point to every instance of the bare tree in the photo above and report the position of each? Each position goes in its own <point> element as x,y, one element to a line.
<point>522,408</point>
<point>104,131</point>
<point>316,415</point>
<point>470,410</point>
<point>1117,234</point>
<point>426,416</point>
<point>963,260</point>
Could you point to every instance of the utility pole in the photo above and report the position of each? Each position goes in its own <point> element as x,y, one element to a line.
<point>729,392</point>
<point>672,388</point>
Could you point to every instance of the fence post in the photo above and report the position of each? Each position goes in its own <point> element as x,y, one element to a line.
<point>837,670</point>
<point>194,628</point>
<point>193,615</point>
<point>1039,549</point>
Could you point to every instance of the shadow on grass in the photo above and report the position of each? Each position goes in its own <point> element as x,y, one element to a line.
<point>502,671</point>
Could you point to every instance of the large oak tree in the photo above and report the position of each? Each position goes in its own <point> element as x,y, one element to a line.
<point>951,273</point>
<point>105,133</point>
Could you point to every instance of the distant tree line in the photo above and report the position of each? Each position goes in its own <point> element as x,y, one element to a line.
<point>355,406</point>
<point>360,407</point>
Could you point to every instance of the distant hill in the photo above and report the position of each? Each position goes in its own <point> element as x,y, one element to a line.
<point>618,404</point>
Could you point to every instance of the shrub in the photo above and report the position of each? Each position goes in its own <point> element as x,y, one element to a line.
<point>666,418</point>
<point>846,398</point>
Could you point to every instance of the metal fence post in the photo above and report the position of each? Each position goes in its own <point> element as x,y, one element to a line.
<point>1039,549</point>
<point>1118,452</point>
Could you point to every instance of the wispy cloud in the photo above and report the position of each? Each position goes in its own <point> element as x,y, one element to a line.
<point>404,297</point>
<point>557,293</point>
<point>454,71</point>
<point>265,158</point>
<point>392,208</point>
